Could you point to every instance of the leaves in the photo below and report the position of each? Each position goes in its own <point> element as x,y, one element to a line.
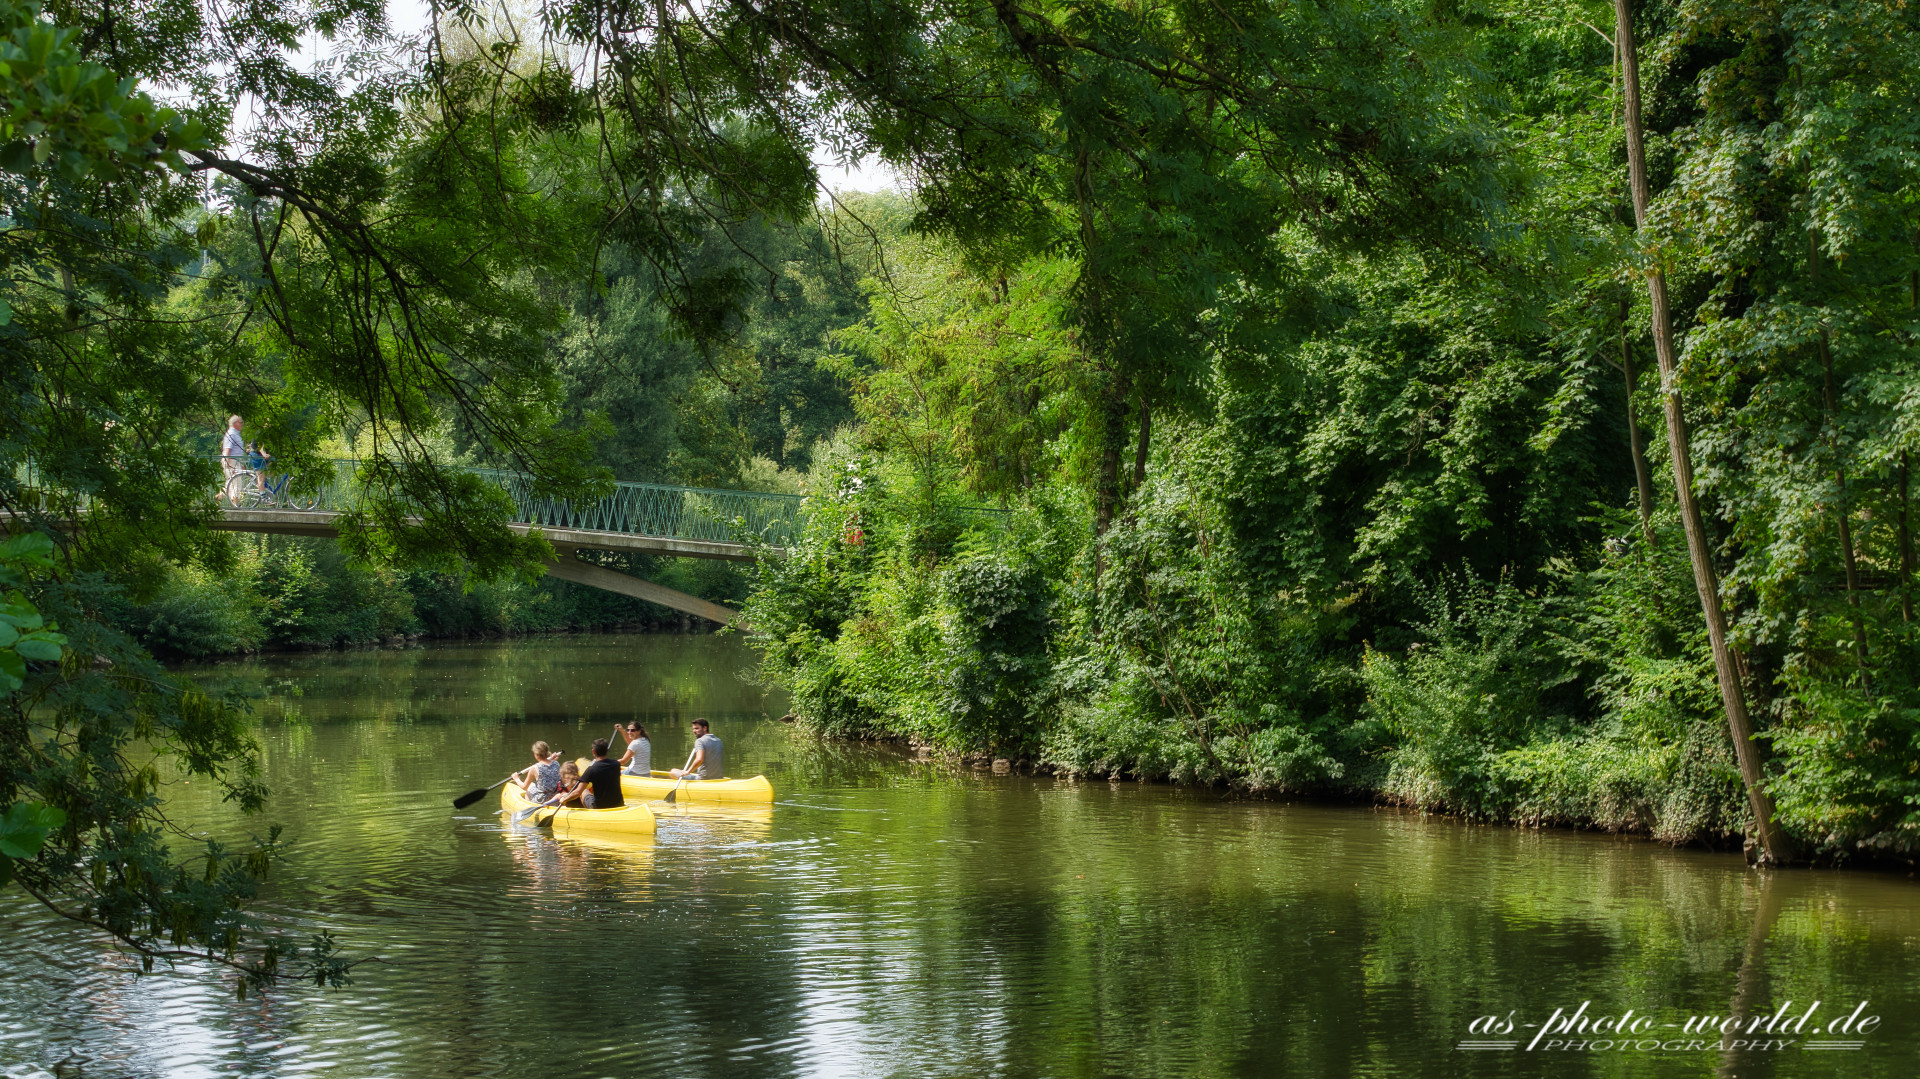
<point>25,637</point>
<point>78,115</point>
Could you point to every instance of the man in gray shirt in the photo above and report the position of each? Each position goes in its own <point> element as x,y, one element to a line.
<point>705,762</point>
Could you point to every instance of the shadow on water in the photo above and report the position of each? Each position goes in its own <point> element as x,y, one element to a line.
<point>894,917</point>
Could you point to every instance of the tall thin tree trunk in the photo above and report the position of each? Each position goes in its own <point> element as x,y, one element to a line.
<point>1775,846</point>
<point>1642,477</point>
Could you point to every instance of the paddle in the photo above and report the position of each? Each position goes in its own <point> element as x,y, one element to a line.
<point>471,797</point>
<point>548,821</point>
<point>683,775</point>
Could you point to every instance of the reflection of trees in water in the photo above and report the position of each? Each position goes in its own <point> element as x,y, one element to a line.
<point>804,759</point>
<point>1751,986</point>
<point>573,675</point>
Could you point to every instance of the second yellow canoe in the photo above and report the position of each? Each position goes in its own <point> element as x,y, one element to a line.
<point>655,785</point>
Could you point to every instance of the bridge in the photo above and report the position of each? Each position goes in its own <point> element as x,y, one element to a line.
<point>646,518</point>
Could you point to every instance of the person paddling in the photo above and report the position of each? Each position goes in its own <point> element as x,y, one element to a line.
<point>540,779</point>
<point>638,759</point>
<point>705,762</point>
<point>602,778</point>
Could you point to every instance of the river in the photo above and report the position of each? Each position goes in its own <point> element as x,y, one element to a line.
<point>890,916</point>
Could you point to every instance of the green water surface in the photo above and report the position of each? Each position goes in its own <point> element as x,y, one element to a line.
<point>889,916</point>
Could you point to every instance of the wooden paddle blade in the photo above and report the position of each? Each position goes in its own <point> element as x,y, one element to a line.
<point>470,797</point>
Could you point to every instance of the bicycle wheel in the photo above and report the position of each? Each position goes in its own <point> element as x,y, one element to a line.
<point>243,490</point>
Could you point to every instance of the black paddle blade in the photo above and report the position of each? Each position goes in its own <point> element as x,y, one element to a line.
<point>671,793</point>
<point>470,797</point>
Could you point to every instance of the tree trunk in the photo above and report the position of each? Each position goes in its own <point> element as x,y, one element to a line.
<point>1774,844</point>
<point>1642,476</point>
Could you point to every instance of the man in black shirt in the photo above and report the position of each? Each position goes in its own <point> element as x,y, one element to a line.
<point>602,777</point>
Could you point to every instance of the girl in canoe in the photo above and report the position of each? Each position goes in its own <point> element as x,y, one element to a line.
<point>570,788</point>
<point>542,778</point>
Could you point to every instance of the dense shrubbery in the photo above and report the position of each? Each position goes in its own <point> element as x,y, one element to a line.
<point>1587,698</point>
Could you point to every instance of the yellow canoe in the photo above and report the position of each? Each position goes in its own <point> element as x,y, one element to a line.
<point>634,818</point>
<point>655,785</point>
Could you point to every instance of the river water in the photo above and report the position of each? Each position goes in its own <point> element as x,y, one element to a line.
<point>896,917</point>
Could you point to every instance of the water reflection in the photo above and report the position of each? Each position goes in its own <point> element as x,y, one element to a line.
<point>888,916</point>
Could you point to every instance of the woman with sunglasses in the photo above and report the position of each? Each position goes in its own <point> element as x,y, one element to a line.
<point>638,759</point>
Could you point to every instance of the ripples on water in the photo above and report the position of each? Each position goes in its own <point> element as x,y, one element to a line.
<point>890,917</point>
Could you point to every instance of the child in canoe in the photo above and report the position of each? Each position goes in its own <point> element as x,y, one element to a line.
<point>542,778</point>
<point>569,789</point>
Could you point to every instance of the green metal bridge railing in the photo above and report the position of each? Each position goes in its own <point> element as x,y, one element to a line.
<point>639,509</point>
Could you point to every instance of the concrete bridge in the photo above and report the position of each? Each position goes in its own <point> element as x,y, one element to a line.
<point>648,518</point>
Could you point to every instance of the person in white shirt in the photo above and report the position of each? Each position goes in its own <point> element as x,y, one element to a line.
<point>233,452</point>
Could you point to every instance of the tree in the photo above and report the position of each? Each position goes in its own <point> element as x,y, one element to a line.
<point>1774,843</point>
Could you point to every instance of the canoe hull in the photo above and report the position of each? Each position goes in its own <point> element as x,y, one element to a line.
<point>655,786</point>
<point>634,818</point>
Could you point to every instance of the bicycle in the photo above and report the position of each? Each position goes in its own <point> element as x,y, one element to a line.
<point>242,490</point>
<point>245,491</point>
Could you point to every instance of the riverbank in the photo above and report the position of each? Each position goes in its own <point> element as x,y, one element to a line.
<point>1353,797</point>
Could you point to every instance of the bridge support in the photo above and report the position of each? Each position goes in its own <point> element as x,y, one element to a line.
<point>569,568</point>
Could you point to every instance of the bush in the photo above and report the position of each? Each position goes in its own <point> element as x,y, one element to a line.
<point>198,614</point>
<point>1470,690</point>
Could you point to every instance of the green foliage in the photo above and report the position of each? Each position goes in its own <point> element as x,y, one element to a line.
<point>72,114</point>
<point>23,831</point>
<point>25,637</point>
<point>1377,546</point>
<point>925,622</point>
<point>1183,672</point>
<point>1474,687</point>
<point>83,737</point>
<point>683,408</point>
